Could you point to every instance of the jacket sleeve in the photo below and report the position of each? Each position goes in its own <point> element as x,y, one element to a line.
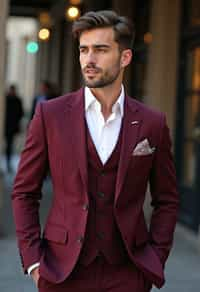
<point>165,199</point>
<point>26,193</point>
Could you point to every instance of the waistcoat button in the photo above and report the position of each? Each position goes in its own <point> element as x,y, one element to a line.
<point>101,195</point>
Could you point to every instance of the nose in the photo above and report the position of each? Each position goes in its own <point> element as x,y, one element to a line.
<point>91,58</point>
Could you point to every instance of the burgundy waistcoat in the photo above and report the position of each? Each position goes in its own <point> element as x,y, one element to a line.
<point>102,234</point>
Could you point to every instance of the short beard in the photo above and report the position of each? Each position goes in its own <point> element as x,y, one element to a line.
<point>103,81</point>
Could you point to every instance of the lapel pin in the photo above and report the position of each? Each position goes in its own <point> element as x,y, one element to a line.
<point>134,122</point>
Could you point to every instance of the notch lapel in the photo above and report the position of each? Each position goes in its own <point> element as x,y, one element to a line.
<point>77,129</point>
<point>129,140</point>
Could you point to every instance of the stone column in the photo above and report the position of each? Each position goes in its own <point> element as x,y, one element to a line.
<point>43,62</point>
<point>4,11</point>
<point>71,73</point>
<point>160,91</point>
<point>55,52</point>
<point>3,17</point>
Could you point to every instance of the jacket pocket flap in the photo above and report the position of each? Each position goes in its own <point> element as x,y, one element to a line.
<point>56,234</point>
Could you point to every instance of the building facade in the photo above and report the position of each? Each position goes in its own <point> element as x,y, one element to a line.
<point>165,73</point>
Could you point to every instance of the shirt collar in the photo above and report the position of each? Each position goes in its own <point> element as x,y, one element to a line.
<point>91,99</point>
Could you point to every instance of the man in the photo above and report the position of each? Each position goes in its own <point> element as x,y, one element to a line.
<point>102,148</point>
<point>13,114</point>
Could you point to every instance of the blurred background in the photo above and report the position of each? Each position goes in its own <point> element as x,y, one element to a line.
<point>39,60</point>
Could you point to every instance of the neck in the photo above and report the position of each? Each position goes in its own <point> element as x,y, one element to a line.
<point>107,96</point>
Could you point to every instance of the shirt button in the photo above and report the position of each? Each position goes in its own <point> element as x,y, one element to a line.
<point>85,207</point>
<point>101,195</point>
<point>80,239</point>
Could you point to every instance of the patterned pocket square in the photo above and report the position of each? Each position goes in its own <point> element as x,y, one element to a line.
<point>143,148</point>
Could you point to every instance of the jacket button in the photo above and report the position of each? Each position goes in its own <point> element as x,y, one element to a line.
<point>80,239</point>
<point>85,207</point>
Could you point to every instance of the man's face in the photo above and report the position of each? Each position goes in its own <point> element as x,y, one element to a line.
<point>100,57</point>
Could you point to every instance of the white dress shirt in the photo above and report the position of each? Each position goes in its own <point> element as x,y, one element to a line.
<point>103,133</point>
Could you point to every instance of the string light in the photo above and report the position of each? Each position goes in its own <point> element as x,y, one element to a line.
<point>32,47</point>
<point>148,38</point>
<point>44,34</point>
<point>72,13</point>
<point>75,2</point>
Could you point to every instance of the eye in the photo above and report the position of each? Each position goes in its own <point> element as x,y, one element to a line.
<point>83,50</point>
<point>101,50</point>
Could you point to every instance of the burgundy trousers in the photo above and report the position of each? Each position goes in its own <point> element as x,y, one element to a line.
<point>100,276</point>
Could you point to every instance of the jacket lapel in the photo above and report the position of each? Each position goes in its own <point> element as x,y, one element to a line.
<point>76,115</point>
<point>77,128</point>
<point>132,123</point>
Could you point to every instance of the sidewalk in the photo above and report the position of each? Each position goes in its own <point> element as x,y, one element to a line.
<point>183,266</point>
<point>12,278</point>
<point>182,269</point>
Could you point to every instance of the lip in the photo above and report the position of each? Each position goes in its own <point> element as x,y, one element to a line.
<point>91,71</point>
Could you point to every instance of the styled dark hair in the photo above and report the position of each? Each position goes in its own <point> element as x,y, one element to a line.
<point>122,26</point>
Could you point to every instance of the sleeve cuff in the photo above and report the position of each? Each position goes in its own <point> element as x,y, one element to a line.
<point>32,267</point>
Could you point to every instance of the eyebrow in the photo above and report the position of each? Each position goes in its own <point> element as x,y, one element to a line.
<point>95,46</point>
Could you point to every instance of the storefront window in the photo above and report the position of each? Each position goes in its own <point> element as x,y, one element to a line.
<point>191,116</point>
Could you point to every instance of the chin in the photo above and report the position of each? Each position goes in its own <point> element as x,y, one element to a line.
<point>91,84</point>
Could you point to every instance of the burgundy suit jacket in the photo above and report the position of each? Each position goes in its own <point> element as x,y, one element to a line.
<point>56,141</point>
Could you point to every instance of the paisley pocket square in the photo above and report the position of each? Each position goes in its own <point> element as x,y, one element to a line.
<point>143,148</point>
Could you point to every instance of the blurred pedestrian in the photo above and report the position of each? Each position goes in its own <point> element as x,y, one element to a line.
<point>46,92</point>
<point>102,148</point>
<point>13,115</point>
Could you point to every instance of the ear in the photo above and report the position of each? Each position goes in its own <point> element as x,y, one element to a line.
<point>126,57</point>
